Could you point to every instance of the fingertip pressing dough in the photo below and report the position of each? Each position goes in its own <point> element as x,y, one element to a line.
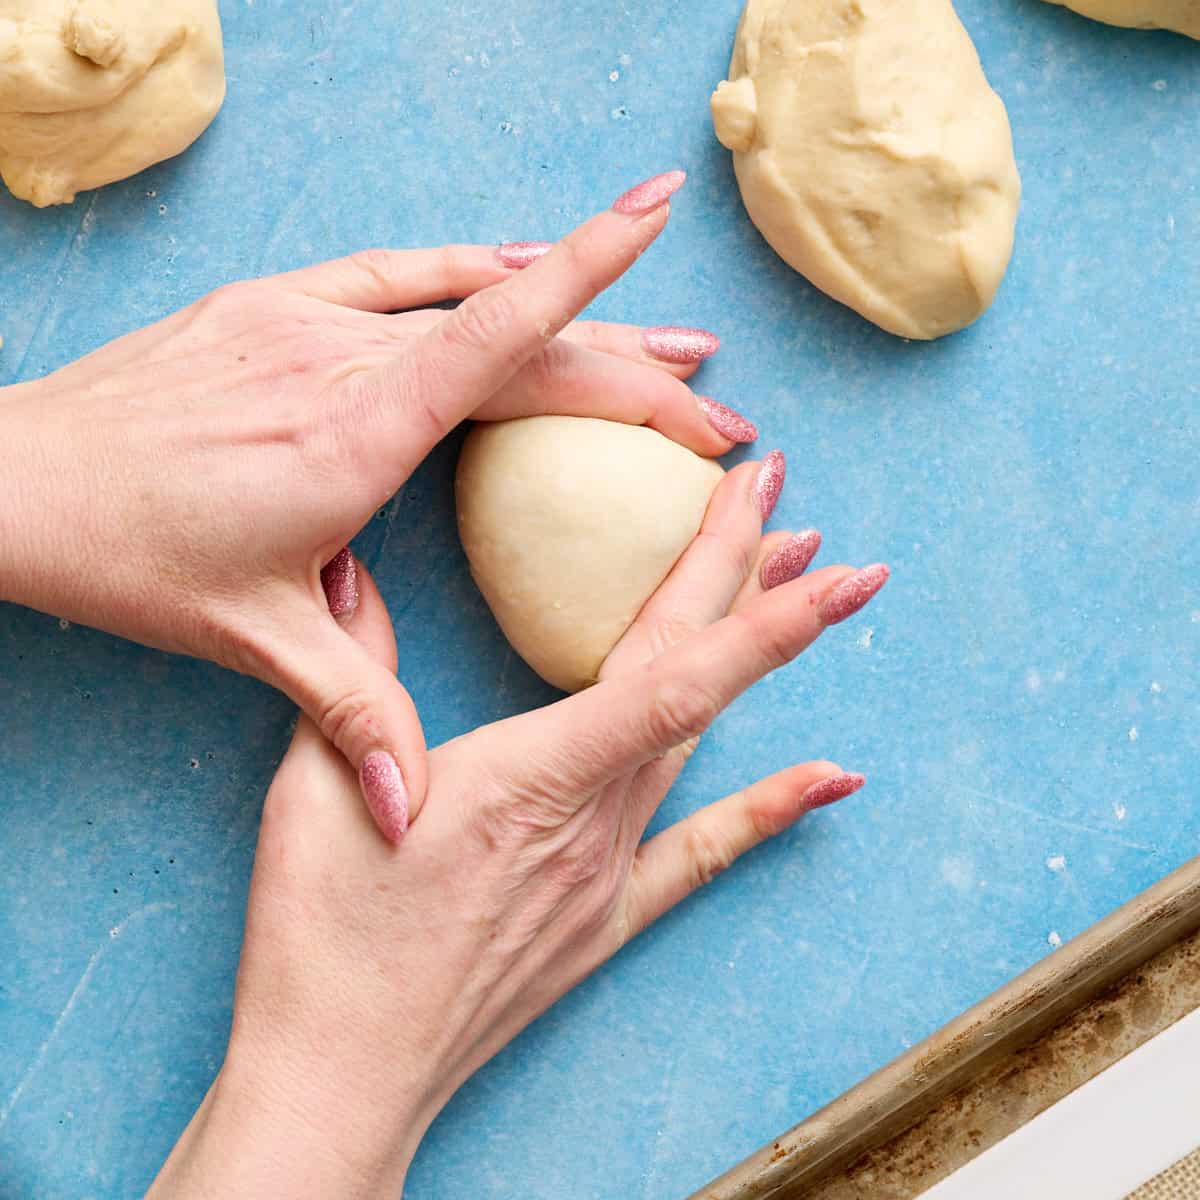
<point>873,155</point>
<point>569,525</point>
<point>1179,16</point>
<point>92,91</point>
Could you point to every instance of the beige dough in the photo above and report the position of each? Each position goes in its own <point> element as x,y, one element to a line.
<point>92,91</point>
<point>569,525</point>
<point>1181,16</point>
<point>873,155</point>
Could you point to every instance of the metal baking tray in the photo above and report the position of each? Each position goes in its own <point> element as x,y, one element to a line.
<point>1090,972</point>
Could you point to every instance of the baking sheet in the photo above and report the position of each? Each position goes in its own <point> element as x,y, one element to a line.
<point>996,1066</point>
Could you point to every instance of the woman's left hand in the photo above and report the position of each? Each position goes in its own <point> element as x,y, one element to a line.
<point>375,979</point>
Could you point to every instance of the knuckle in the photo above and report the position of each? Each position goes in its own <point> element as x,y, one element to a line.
<point>777,649</point>
<point>578,262</point>
<point>707,857</point>
<point>680,711</point>
<point>229,300</point>
<point>671,630</point>
<point>451,263</point>
<point>774,646</point>
<point>374,263</point>
<point>488,822</point>
<point>548,371</point>
<point>583,859</point>
<point>745,557</point>
<point>349,720</point>
<point>758,820</point>
<point>484,322</point>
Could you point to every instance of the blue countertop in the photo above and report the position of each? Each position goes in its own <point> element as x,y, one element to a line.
<point>1024,695</point>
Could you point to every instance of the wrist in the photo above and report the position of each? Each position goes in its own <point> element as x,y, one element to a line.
<point>24,503</point>
<point>262,1132</point>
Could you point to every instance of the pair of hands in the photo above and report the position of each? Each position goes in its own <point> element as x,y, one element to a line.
<point>211,465</point>
<point>220,461</point>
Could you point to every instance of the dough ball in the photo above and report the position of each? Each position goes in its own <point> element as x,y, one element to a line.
<point>569,525</point>
<point>92,91</point>
<point>1181,16</point>
<point>873,156</point>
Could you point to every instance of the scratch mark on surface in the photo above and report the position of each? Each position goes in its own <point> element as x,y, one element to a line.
<point>1077,826</point>
<point>76,243</point>
<point>282,227</point>
<point>72,1000</point>
<point>666,1099</point>
<point>502,682</point>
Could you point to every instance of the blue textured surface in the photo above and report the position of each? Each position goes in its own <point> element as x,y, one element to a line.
<point>1025,689</point>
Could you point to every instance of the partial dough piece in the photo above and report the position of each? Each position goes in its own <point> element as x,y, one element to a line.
<point>92,91</point>
<point>873,156</point>
<point>570,524</point>
<point>1180,16</point>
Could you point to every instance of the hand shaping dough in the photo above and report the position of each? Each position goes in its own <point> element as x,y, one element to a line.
<point>1181,16</point>
<point>92,91</point>
<point>873,155</point>
<point>569,525</point>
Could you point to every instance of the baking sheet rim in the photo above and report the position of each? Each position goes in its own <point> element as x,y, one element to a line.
<point>906,1089</point>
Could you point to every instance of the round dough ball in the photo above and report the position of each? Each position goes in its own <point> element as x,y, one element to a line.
<point>873,156</point>
<point>570,524</point>
<point>92,91</point>
<point>1180,16</point>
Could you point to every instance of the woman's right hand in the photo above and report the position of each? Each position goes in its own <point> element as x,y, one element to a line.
<point>374,979</point>
<point>192,485</point>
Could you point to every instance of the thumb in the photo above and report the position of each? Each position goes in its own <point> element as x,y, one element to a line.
<point>338,665</point>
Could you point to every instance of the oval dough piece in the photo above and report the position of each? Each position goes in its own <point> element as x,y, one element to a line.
<point>873,156</point>
<point>1180,16</point>
<point>570,524</point>
<point>92,91</point>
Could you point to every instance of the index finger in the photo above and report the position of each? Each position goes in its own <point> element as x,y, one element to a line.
<point>443,376</point>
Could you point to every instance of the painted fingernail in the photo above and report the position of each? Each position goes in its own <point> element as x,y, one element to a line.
<point>846,598</point>
<point>836,787</point>
<point>521,254</point>
<point>770,482</point>
<point>650,194</point>
<point>791,560</point>
<point>384,791</point>
<point>676,344</point>
<point>726,422</point>
<point>339,578</point>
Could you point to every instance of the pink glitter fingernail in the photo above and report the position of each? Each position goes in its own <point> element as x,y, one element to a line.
<point>386,796</point>
<point>726,422</point>
<point>846,598</point>
<point>520,254</point>
<point>650,194</point>
<point>770,482</point>
<point>676,344</point>
<point>339,578</point>
<point>791,560</point>
<point>836,787</point>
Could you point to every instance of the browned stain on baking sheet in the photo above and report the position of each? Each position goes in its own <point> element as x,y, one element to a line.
<point>1012,1093</point>
<point>997,1065</point>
